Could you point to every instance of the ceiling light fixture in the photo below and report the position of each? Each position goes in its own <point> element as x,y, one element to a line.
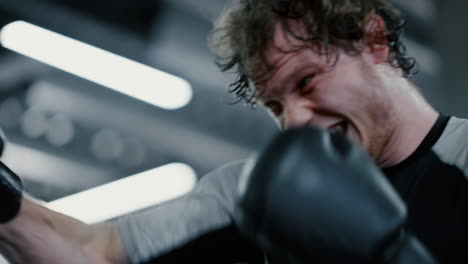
<point>97,65</point>
<point>128,195</point>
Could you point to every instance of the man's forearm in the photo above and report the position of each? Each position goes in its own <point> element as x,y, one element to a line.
<point>39,235</point>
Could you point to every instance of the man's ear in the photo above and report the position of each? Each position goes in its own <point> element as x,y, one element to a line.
<point>375,40</point>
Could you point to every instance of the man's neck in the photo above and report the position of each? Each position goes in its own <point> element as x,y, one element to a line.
<point>414,119</point>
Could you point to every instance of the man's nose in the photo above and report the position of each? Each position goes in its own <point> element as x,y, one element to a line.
<point>296,115</point>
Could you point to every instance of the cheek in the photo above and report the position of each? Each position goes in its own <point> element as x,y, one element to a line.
<point>344,80</point>
<point>347,88</point>
<point>340,93</point>
<point>355,90</point>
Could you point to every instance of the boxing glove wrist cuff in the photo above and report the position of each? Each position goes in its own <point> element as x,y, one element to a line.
<point>11,189</point>
<point>406,249</point>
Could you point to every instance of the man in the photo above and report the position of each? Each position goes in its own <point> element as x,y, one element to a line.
<point>334,64</point>
<point>339,65</point>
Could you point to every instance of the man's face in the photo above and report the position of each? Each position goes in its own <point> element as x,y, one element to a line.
<point>348,96</point>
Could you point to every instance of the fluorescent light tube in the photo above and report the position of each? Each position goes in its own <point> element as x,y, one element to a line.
<point>102,67</point>
<point>130,194</point>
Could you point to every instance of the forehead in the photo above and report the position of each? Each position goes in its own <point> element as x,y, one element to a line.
<point>283,42</point>
<point>286,55</point>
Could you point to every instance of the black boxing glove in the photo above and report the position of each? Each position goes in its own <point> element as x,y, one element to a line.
<point>11,189</point>
<point>314,197</point>
<point>2,141</point>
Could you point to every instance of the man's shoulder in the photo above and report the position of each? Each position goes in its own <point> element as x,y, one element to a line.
<point>452,146</point>
<point>454,136</point>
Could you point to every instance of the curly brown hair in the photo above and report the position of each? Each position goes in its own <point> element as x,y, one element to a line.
<point>244,31</point>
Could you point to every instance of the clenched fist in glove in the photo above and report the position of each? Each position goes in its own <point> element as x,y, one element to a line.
<point>10,194</point>
<point>315,197</point>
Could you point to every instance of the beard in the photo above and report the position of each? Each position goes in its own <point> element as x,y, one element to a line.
<point>382,118</point>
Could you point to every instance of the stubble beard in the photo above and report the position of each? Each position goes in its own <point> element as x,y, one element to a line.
<point>383,121</point>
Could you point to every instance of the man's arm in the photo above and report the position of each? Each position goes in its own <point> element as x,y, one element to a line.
<point>192,228</point>
<point>35,234</point>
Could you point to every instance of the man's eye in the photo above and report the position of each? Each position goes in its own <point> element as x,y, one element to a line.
<point>304,82</point>
<point>275,107</point>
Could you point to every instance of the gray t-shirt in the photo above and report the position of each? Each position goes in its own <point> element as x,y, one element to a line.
<point>165,227</point>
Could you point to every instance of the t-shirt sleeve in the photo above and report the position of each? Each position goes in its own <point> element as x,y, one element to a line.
<point>452,147</point>
<point>196,226</point>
